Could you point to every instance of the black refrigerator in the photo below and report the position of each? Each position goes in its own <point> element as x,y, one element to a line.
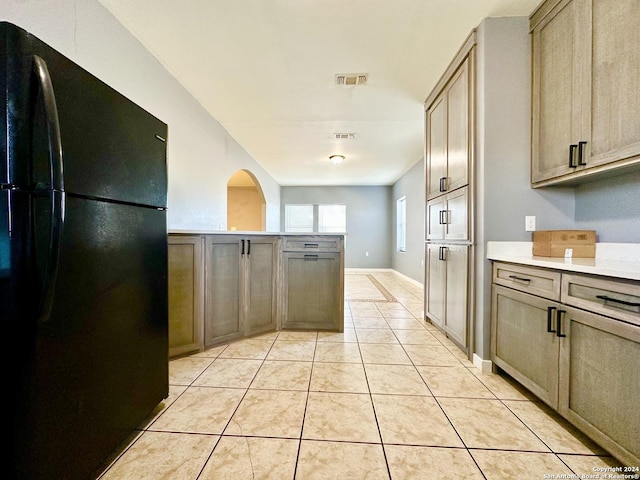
<point>83,262</point>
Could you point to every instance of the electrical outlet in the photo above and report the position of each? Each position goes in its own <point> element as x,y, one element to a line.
<point>366,254</point>
<point>530,223</point>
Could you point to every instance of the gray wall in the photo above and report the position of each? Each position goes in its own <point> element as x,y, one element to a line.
<point>504,196</point>
<point>611,207</point>
<point>201,154</point>
<point>411,185</point>
<point>369,227</point>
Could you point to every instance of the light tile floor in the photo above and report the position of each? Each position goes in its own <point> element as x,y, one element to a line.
<point>390,398</point>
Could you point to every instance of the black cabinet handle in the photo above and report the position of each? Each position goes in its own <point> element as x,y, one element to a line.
<point>248,247</point>
<point>242,252</point>
<point>443,217</point>
<point>442,253</point>
<point>572,154</point>
<point>310,245</point>
<point>615,300</point>
<point>550,319</point>
<point>581,153</point>
<point>559,323</point>
<point>522,279</point>
<point>443,184</point>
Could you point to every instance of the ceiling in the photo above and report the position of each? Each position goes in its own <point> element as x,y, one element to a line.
<point>265,69</point>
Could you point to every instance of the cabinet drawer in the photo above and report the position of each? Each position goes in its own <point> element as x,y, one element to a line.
<point>311,244</point>
<point>537,281</point>
<point>619,299</point>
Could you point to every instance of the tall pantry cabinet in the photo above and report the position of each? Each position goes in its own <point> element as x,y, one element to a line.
<point>477,119</point>
<point>449,189</point>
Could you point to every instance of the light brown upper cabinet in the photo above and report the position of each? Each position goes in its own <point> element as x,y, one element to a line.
<point>586,106</point>
<point>447,123</point>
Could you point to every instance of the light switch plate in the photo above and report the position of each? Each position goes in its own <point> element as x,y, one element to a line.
<point>530,223</point>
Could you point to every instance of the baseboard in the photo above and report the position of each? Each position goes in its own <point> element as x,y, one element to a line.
<point>485,366</point>
<point>384,270</point>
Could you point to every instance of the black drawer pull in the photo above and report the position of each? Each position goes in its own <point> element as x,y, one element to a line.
<point>572,155</point>
<point>581,153</point>
<point>442,253</point>
<point>242,253</point>
<point>443,184</point>
<point>559,323</point>
<point>311,258</point>
<point>615,300</point>
<point>522,279</point>
<point>310,245</point>
<point>550,319</point>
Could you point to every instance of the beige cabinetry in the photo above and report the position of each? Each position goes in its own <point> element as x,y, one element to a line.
<point>584,92</point>
<point>447,120</point>
<point>313,283</point>
<point>186,294</point>
<point>240,293</point>
<point>449,189</point>
<point>447,216</point>
<point>445,302</point>
<point>228,286</point>
<point>574,341</point>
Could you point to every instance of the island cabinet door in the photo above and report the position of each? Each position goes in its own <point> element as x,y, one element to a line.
<point>311,289</point>
<point>261,266</point>
<point>186,300</point>
<point>224,289</point>
<point>524,341</point>
<point>600,381</point>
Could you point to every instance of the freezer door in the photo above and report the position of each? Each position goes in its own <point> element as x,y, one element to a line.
<point>99,364</point>
<point>112,148</point>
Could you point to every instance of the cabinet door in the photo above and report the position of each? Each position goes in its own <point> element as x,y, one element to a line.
<point>458,129</point>
<point>261,259</point>
<point>613,93</point>
<point>599,381</point>
<point>224,291</point>
<point>556,96</point>
<point>456,318</point>
<point>435,284</point>
<point>455,217</point>
<point>186,294</point>
<point>521,344</point>
<point>436,151</point>
<point>312,285</point>
<point>435,223</point>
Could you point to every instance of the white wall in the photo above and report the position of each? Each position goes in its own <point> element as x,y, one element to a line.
<point>201,154</point>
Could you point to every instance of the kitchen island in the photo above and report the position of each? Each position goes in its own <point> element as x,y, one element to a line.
<point>229,285</point>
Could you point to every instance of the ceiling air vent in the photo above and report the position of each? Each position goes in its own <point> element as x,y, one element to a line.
<point>350,79</point>
<point>344,136</point>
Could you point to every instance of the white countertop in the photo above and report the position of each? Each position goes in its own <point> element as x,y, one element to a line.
<point>252,232</point>
<point>620,260</point>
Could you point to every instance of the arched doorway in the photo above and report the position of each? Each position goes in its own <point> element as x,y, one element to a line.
<point>246,207</point>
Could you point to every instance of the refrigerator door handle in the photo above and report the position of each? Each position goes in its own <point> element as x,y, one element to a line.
<point>57,194</point>
<point>53,124</point>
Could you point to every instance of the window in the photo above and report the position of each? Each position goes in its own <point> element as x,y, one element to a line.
<point>332,218</point>
<point>315,218</point>
<point>298,218</point>
<point>401,224</point>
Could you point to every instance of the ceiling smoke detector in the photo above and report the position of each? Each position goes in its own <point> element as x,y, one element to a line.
<point>344,136</point>
<point>351,79</point>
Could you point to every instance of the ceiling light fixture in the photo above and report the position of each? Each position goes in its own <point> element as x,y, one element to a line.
<point>336,159</point>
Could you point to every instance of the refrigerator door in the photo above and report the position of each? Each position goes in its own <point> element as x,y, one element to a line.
<point>112,148</point>
<point>99,363</point>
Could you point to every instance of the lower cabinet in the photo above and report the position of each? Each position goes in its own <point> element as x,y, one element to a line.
<point>186,294</point>
<point>310,294</point>
<point>522,342</point>
<point>600,381</point>
<point>227,286</point>
<point>582,364</point>
<point>240,293</point>
<point>446,289</point>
